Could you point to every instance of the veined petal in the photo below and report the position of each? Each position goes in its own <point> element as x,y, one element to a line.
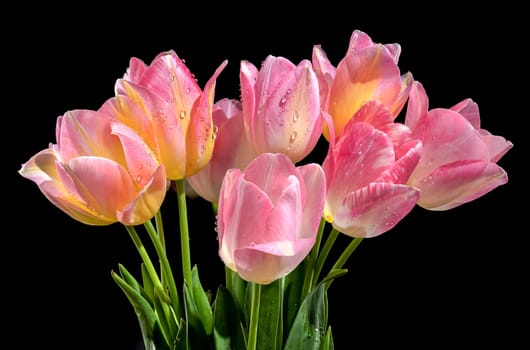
<point>265,263</point>
<point>248,76</point>
<point>400,171</point>
<point>315,189</point>
<point>200,133</point>
<point>374,209</point>
<point>271,172</point>
<point>147,202</point>
<point>417,107</point>
<point>325,73</point>
<point>284,221</point>
<point>460,182</point>
<point>106,185</point>
<point>367,74</point>
<point>134,72</point>
<point>497,146</point>
<point>86,133</point>
<point>469,110</point>
<point>406,84</point>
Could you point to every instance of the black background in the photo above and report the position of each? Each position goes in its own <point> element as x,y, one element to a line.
<point>455,278</point>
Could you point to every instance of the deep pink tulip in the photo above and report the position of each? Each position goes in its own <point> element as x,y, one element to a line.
<point>281,107</point>
<point>366,171</point>
<point>268,216</point>
<point>458,162</point>
<point>99,172</point>
<point>367,72</point>
<point>231,150</point>
<point>164,104</point>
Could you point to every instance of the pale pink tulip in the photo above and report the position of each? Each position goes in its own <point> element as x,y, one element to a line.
<point>367,72</point>
<point>269,216</point>
<point>231,150</point>
<point>99,172</point>
<point>164,104</point>
<point>281,107</point>
<point>366,171</point>
<point>458,162</point>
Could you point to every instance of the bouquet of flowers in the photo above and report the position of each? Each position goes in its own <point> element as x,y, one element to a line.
<point>278,215</point>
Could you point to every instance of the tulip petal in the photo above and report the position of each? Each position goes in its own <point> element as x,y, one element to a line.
<point>147,202</point>
<point>374,209</point>
<point>265,263</point>
<point>469,110</point>
<point>270,172</point>
<point>417,108</point>
<point>401,170</point>
<point>200,133</point>
<point>315,188</point>
<point>106,185</point>
<point>497,146</point>
<point>325,73</point>
<point>367,74</point>
<point>284,221</point>
<point>460,182</point>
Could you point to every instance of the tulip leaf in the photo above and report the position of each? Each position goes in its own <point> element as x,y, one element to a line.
<point>307,331</point>
<point>227,332</point>
<point>238,287</point>
<point>202,302</point>
<point>327,344</point>
<point>294,282</point>
<point>152,334</point>
<point>195,333</point>
<point>149,287</point>
<point>270,332</point>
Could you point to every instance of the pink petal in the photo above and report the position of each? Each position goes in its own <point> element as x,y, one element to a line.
<point>325,73</point>
<point>454,184</point>
<point>271,173</point>
<point>148,201</point>
<point>106,184</point>
<point>374,209</point>
<point>368,74</point>
<point>401,170</point>
<point>448,137</point>
<point>265,263</point>
<point>497,146</point>
<point>418,105</point>
<point>362,154</point>
<point>284,222</point>
<point>315,189</point>
<point>292,113</point>
<point>200,133</point>
<point>406,84</point>
<point>135,71</point>
<point>359,40</point>
<point>248,76</point>
<point>469,110</point>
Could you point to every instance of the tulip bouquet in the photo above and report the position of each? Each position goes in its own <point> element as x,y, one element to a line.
<point>278,216</point>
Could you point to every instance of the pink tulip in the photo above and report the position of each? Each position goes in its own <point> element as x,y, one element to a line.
<point>281,107</point>
<point>269,216</point>
<point>367,72</point>
<point>99,172</point>
<point>366,171</point>
<point>231,150</point>
<point>164,104</point>
<point>459,158</point>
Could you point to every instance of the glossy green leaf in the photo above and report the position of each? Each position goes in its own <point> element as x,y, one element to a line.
<point>270,316</point>
<point>310,323</point>
<point>152,334</point>
<point>227,331</point>
<point>202,302</point>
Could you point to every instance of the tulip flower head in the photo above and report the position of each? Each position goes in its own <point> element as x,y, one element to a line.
<point>99,172</point>
<point>268,216</point>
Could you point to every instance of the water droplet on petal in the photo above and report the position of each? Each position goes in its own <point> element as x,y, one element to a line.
<point>187,90</point>
<point>182,114</point>
<point>139,178</point>
<point>296,116</point>
<point>293,137</point>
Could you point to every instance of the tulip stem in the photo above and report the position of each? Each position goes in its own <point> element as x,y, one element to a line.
<point>324,254</point>
<point>354,243</point>
<point>255,290</point>
<point>144,255</point>
<point>184,233</point>
<point>311,260</point>
<point>167,274</point>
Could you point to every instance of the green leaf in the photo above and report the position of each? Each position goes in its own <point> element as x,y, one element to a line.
<point>195,332</point>
<point>152,334</point>
<point>294,282</point>
<point>308,327</point>
<point>239,292</point>
<point>270,316</point>
<point>149,287</point>
<point>227,331</point>
<point>327,344</point>
<point>202,302</point>
<point>333,274</point>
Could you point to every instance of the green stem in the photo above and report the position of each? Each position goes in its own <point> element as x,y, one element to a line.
<point>324,254</point>
<point>346,253</point>
<point>184,233</point>
<point>166,268</point>
<point>255,290</point>
<point>228,278</point>
<point>145,256</point>
<point>160,228</point>
<point>312,258</point>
